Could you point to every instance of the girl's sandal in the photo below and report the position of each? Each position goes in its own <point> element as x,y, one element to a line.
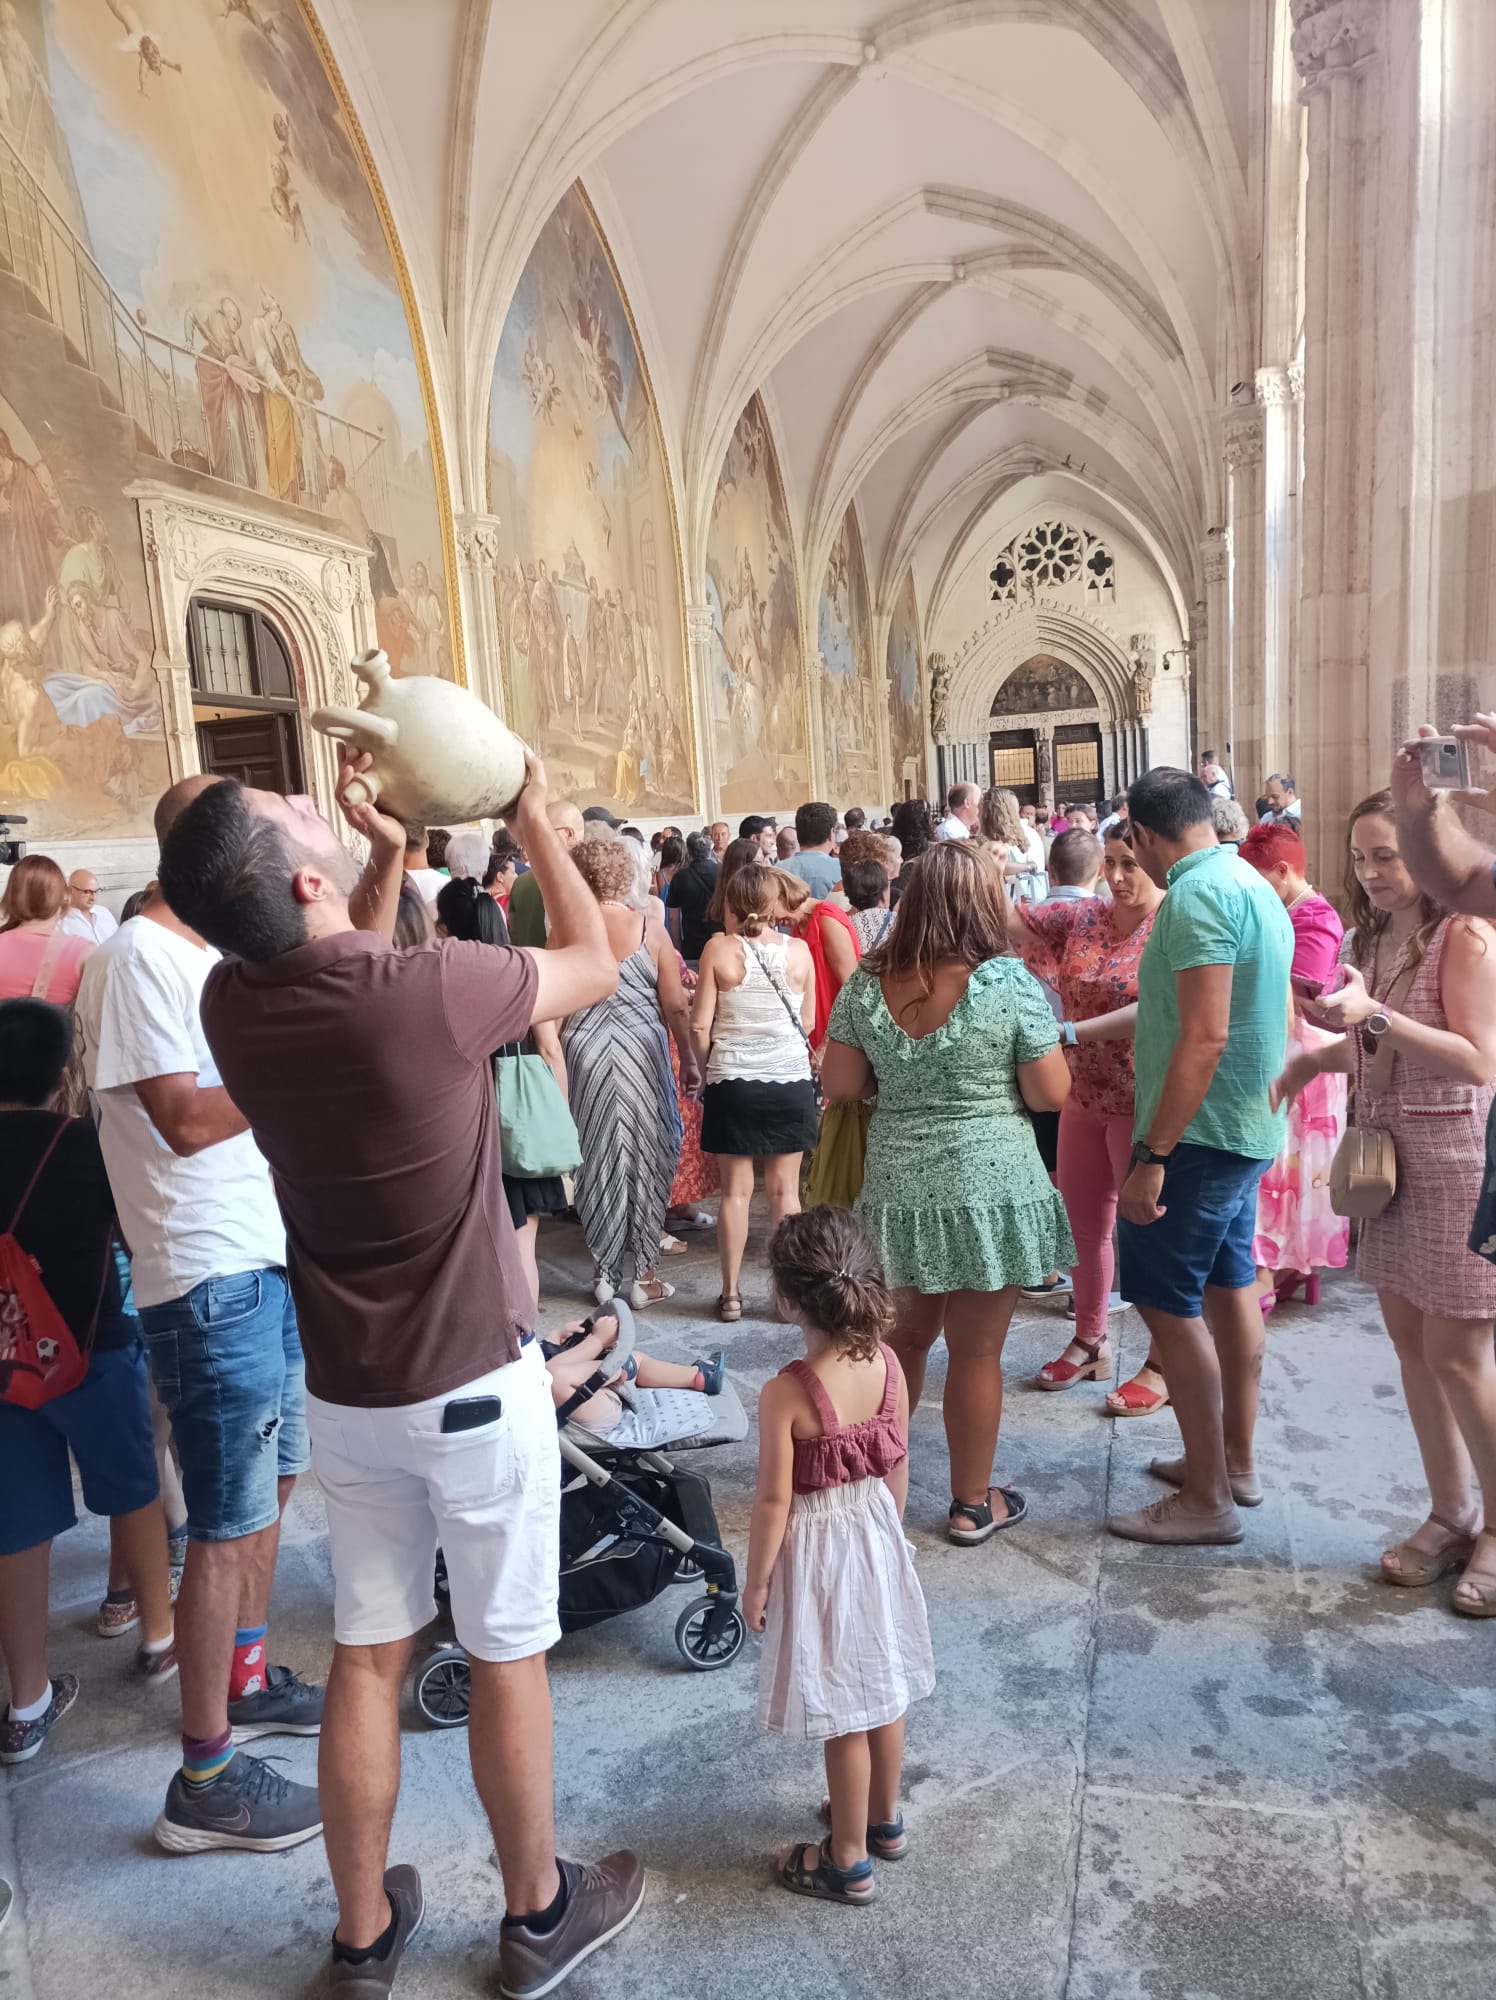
<point>1417,1568</point>
<point>887,1841</point>
<point>730,1308</point>
<point>1063,1374</point>
<point>853,1886</point>
<point>671,1246</point>
<point>1135,1398</point>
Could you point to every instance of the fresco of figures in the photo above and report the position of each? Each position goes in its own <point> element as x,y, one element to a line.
<point>844,637</point>
<point>906,708</point>
<point>194,286</point>
<point>757,682</point>
<point>588,582</point>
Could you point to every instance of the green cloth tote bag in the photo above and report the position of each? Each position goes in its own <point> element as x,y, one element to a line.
<point>536,1130</point>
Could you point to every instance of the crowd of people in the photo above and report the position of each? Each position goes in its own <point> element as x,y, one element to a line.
<point>1096,1056</point>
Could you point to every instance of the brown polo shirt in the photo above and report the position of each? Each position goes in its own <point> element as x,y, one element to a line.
<point>364,1073</point>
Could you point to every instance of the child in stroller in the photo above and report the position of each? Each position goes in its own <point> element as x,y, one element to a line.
<point>632,1522</point>
<point>599,1391</point>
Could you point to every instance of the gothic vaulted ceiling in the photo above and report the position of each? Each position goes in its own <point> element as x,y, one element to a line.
<point>960,245</point>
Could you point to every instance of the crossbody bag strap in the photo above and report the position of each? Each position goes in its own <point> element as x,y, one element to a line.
<point>41,1167</point>
<point>779,987</point>
<point>50,955</point>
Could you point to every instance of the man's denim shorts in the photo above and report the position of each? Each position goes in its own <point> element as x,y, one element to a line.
<point>1205,1238</point>
<point>226,1361</point>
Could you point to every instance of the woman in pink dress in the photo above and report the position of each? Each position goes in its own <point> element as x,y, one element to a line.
<point>37,961</point>
<point>1089,951</point>
<point>1415,1028</point>
<point>1298,1233</point>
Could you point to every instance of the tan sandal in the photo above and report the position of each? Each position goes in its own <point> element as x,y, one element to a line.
<point>1417,1568</point>
<point>1484,1587</point>
<point>730,1308</point>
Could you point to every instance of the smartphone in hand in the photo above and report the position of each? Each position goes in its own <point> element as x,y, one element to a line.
<point>1316,989</point>
<point>1446,763</point>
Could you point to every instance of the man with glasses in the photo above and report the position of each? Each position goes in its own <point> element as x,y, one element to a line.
<point>85,916</point>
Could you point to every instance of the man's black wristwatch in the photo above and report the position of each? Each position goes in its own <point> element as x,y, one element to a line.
<point>1143,1155</point>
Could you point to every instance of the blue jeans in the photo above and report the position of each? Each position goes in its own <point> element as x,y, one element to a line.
<point>226,1361</point>
<point>1204,1239</point>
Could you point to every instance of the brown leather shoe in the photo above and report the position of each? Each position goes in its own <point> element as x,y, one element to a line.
<point>602,1898</point>
<point>376,1976</point>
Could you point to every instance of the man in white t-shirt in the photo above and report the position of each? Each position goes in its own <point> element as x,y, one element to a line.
<point>85,916</point>
<point>208,1254</point>
<point>963,810</point>
<point>430,881</point>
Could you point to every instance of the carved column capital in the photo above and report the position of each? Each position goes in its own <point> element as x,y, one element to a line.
<point>1295,372</point>
<point>1274,387</point>
<point>699,623</point>
<point>1215,555</point>
<point>478,541</point>
<point>1333,39</point>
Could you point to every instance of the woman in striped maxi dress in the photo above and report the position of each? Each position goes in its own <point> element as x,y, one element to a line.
<point>623,1089</point>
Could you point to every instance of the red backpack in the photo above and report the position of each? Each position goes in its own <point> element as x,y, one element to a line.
<point>39,1357</point>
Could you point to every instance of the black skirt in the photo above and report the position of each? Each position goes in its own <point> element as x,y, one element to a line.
<point>545,1196</point>
<point>756,1121</point>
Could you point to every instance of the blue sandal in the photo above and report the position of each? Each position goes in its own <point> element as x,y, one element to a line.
<point>854,1886</point>
<point>886,1840</point>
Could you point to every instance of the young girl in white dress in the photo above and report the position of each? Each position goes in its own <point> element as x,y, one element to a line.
<point>830,1581</point>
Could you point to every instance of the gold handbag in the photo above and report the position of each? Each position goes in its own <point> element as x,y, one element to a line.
<point>1363,1173</point>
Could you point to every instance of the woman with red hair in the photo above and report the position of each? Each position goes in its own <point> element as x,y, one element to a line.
<point>1298,1233</point>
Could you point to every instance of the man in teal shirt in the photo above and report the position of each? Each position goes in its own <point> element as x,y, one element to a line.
<point>1212,1032</point>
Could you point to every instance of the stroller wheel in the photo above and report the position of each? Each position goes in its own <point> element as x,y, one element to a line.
<point>702,1650</point>
<point>443,1685</point>
<point>688,1570</point>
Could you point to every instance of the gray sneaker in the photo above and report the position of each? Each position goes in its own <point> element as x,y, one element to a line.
<point>20,1741</point>
<point>285,1706</point>
<point>602,1899</point>
<point>376,1976</point>
<point>247,1805</point>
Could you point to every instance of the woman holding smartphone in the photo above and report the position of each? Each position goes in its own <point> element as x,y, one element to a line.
<point>1298,1233</point>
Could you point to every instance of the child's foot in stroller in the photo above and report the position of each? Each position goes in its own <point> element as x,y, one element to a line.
<point>806,1869</point>
<point>713,1371</point>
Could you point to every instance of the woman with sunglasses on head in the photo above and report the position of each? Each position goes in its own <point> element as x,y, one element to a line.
<point>1416,1027</point>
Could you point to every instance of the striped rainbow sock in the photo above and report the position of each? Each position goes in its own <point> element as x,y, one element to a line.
<point>205,1757</point>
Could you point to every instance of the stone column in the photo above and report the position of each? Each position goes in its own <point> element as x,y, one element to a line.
<point>815,717</point>
<point>1361,62</point>
<point>1245,714</point>
<point>700,638</point>
<point>1214,704</point>
<point>1279,563</point>
<point>477,574</point>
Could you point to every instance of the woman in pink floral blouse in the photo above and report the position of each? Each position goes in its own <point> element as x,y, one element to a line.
<point>1088,950</point>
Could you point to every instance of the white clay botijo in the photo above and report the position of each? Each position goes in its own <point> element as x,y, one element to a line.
<point>440,757</point>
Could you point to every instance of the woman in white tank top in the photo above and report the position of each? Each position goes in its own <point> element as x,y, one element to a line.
<point>754,1006</point>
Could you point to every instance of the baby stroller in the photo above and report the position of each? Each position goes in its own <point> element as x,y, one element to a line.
<point>632,1525</point>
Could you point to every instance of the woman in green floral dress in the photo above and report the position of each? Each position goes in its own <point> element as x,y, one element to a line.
<point>959,1038</point>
